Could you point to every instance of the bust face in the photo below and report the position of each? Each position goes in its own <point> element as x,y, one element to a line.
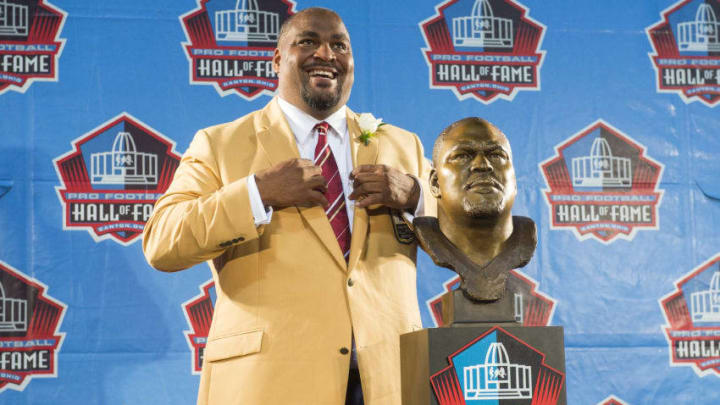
<point>473,176</point>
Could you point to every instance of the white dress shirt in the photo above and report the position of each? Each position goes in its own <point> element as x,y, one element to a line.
<point>302,126</point>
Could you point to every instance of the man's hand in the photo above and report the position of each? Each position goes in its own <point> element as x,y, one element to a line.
<point>292,182</point>
<point>380,184</point>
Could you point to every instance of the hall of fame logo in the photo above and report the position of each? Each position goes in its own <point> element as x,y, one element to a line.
<point>492,50</point>
<point>29,330</point>
<point>687,50</point>
<point>112,178</point>
<point>532,307</point>
<point>612,400</point>
<point>511,372</point>
<point>602,185</point>
<point>231,44</point>
<point>198,312</point>
<point>692,316</point>
<point>30,43</point>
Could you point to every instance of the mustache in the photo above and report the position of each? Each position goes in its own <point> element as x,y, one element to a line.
<point>486,180</point>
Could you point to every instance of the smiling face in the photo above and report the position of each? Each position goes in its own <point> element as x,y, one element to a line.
<point>473,175</point>
<point>314,62</point>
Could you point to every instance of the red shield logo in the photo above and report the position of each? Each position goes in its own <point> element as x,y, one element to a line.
<point>112,178</point>
<point>231,44</point>
<point>484,49</point>
<point>602,185</point>
<point>692,315</point>
<point>29,330</point>
<point>30,43</point>
<point>686,44</point>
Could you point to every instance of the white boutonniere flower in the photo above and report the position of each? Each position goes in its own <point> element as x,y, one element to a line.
<point>369,126</point>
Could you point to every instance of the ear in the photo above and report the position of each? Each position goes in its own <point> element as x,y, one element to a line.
<point>434,186</point>
<point>276,61</point>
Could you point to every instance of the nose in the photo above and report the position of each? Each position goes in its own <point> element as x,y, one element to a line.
<point>324,52</point>
<point>480,163</point>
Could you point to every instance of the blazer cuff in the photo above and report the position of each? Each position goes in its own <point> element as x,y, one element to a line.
<point>261,214</point>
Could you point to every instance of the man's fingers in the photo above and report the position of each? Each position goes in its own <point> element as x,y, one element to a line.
<point>317,182</point>
<point>318,198</point>
<point>366,169</point>
<point>304,162</point>
<point>368,200</point>
<point>366,177</point>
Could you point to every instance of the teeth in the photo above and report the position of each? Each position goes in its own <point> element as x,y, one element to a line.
<point>322,73</point>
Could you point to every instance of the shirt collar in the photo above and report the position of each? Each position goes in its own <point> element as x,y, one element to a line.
<point>302,124</point>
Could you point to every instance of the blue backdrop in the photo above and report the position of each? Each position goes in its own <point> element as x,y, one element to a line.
<point>611,108</point>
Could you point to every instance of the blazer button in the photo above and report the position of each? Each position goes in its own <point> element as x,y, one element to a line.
<point>350,282</point>
<point>344,350</point>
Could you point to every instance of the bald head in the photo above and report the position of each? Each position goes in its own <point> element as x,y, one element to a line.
<point>312,11</point>
<point>473,174</point>
<point>469,121</point>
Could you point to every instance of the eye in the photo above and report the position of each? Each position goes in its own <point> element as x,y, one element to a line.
<point>460,156</point>
<point>497,154</point>
<point>306,42</point>
<point>340,46</point>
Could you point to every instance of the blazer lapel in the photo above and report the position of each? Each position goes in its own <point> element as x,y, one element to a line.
<point>362,155</point>
<point>277,140</point>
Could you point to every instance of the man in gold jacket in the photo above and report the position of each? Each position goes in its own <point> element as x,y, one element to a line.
<point>296,321</point>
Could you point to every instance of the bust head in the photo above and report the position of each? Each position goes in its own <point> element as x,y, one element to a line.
<point>473,176</point>
<point>475,234</point>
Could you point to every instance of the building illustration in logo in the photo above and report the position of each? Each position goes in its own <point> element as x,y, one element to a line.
<point>199,312</point>
<point>112,178</point>
<point>532,307</point>
<point>702,34</point>
<point>13,313</point>
<point>30,43</point>
<point>499,367</point>
<point>686,44</point>
<point>247,23</point>
<point>600,168</point>
<point>692,315</point>
<point>29,330</point>
<point>483,49</point>
<point>124,164</point>
<point>482,29</point>
<point>602,185</point>
<point>612,400</point>
<point>497,377</point>
<point>13,19</point>
<point>230,44</point>
<point>706,303</point>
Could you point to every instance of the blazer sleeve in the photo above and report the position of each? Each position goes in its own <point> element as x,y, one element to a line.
<point>198,217</point>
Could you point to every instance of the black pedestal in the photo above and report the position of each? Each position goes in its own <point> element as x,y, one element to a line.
<point>505,365</point>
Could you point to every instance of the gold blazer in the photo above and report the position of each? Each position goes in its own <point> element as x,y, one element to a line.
<point>287,303</point>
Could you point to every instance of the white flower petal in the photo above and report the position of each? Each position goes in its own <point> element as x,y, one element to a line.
<point>368,122</point>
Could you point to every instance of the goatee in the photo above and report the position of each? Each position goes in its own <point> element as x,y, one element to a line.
<point>321,101</point>
<point>482,210</point>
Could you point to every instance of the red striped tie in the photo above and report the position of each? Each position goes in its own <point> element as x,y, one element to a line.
<point>336,211</point>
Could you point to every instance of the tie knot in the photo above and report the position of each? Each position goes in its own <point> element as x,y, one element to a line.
<point>322,128</point>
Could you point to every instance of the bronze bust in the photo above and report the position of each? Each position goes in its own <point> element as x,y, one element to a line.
<point>475,233</point>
